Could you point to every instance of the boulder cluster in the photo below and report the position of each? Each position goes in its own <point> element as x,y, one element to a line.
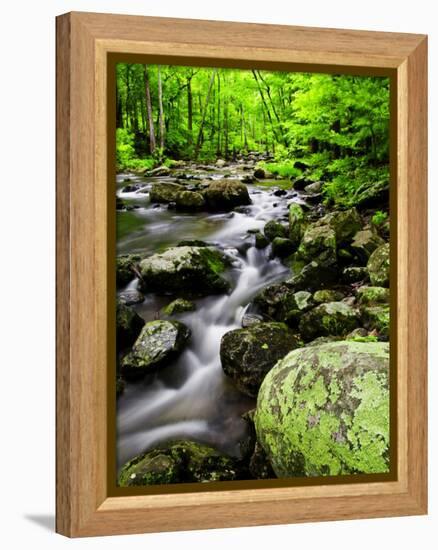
<point>313,349</point>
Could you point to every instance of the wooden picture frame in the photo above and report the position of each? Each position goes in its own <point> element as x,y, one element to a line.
<point>85,42</point>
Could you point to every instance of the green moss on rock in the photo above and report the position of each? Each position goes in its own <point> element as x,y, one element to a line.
<point>324,410</point>
<point>180,462</point>
<point>180,305</point>
<point>329,319</point>
<point>248,354</point>
<point>372,295</point>
<point>378,266</point>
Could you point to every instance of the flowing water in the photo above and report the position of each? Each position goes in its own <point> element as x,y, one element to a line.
<point>192,398</point>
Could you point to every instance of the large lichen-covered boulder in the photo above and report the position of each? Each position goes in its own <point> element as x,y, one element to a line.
<point>329,319</point>
<point>189,269</point>
<point>165,192</point>
<point>247,354</point>
<point>180,462</point>
<point>324,410</point>
<point>158,343</point>
<point>318,244</point>
<point>378,266</point>
<point>364,244</point>
<point>125,268</point>
<point>345,224</point>
<point>296,223</point>
<point>226,194</point>
<point>189,201</point>
<point>128,325</point>
<point>274,229</point>
<point>372,295</point>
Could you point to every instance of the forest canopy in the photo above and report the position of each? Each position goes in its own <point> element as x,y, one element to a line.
<point>335,127</point>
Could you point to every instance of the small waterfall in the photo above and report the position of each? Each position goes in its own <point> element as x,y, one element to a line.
<point>192,398</point>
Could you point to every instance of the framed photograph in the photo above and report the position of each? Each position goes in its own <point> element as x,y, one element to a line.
<point>241,274</point>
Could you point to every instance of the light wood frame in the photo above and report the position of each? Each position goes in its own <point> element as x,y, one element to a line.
<point>84,41</point>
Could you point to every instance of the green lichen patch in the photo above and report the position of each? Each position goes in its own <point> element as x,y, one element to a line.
<point>324,410</point>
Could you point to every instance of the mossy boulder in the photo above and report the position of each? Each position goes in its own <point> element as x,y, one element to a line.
<point>275,300</point>
<point>372,295</point>
<point>247,354</point>
<point>372,194</point>
<point>355,274</point>
<point>324,410</point>
<point>378,266</point>
<point>282,247</point>
<point>296,305</point>
<point>296,223</point>
<point>313,275</point>
<point>345,224</point>
<point>125,268</point>
<point>364,244</point>
<point>128,325</point>
<point>189,201</point>
<point>377,318</point>
<point>158,343</point>
<point>165,192</point>
<point>275,229</point>
<point>330,319</point>
<point>226,194</point>
<point>180,462</point>
<point>260,240</point>
<point>259,173</point>
<point>318,244</point>
<point>189,269</point>
<point>180,305</point>
<point>327,295</point>
<point>159,171</point>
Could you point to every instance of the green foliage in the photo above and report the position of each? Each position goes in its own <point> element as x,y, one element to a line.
<point>379,218</point>
<point>336,125</point>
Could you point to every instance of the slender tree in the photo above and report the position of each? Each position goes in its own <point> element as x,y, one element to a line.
<point>204,114</point>
<point>160,109</point>
<point>147,88</point>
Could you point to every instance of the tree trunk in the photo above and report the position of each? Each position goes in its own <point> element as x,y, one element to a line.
<point>189,111</point>
<point>147,89</point>
<point>160,107</point>
<point>204,114</point>
<point>218,145</point>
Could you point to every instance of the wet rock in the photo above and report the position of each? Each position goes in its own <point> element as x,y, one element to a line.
<point>299,184</point>
<point>318,244</point>
<point>159,343</point>
<point>378,266</point>
<point>313,187</point>
<point>130,296</point>
<point>372,194</point>
<point>126,267</point>
<point>192,242</point>
<point>165,192</point>
<point>220,163</point>
<point>180,462</point>
<point>354,274</point>
<point>259,173</point>
<point>248,354</point>
<point>280,192</point>
<point>329,319</point>
<point>296,223</point>
<point>159,171</point>
<point>324,410</point>
<point>345,224</point>
<point>226,194</point>
<point>372,295</point>
<point>376,318</point>
<point>275,229</point>
<point>364,244</point>
<point>190,269</point>
<point>248,178</point>
<point>250,319</point>
<point>131,188</point>
<point>128,325</point>
<point>275,300</point>
<point>282,247</point>
<point>189,201</point>
<point>180,305</point>
<point>326,295</point>
<point>260,240</point>
<point>313,276</point>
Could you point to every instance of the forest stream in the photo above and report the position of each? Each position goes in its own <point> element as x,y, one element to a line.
<point>192,398</point>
